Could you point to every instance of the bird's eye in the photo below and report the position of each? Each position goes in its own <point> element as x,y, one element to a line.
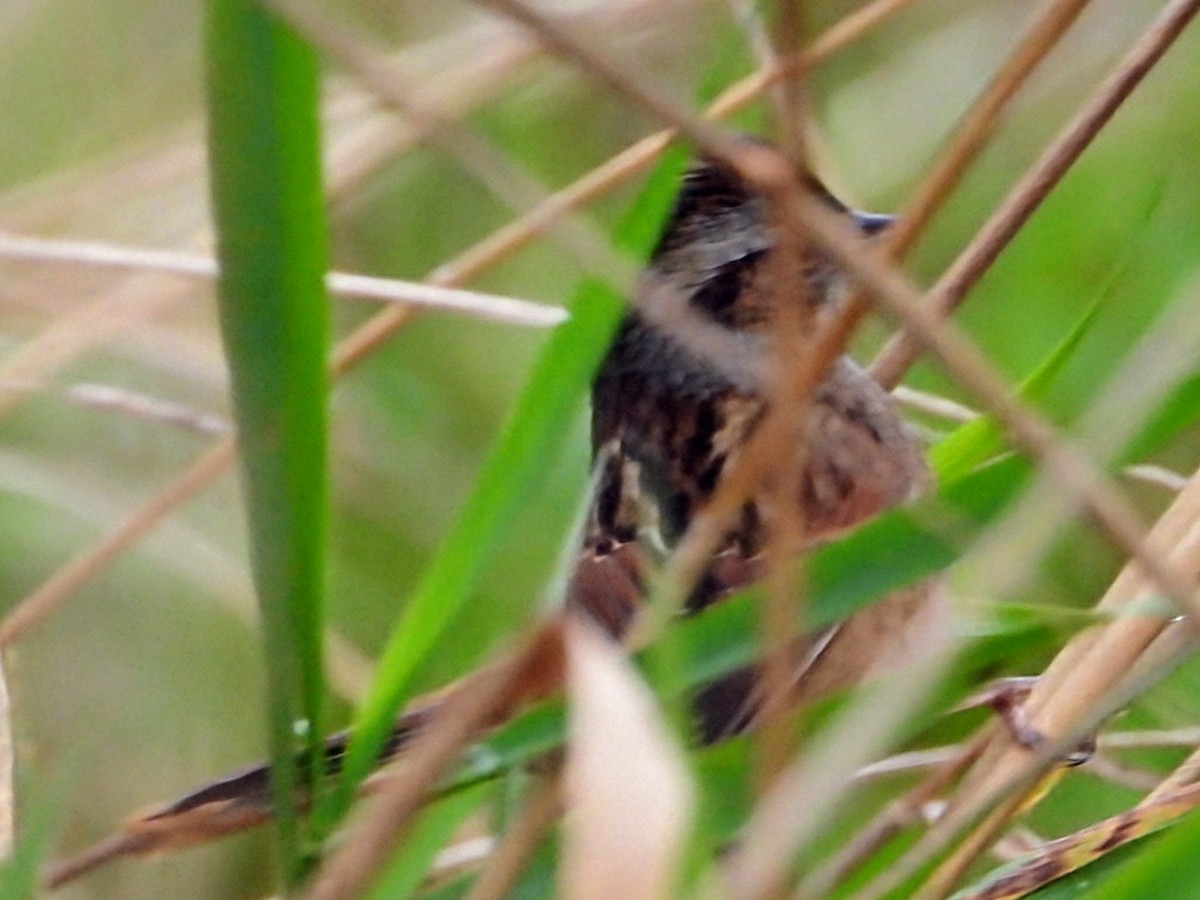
<point>872,224</point>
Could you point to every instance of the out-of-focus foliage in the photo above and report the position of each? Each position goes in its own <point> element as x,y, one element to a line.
<point>150,681</point>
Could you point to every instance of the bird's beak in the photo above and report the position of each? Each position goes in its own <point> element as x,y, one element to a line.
<point>872,224</point>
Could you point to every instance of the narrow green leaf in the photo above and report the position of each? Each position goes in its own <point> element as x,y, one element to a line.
<point>973,443</point>
<point>1162,865</point>
<point>1180,410</point>
<point>527,443</point>
<point>406,872</point>
<point>525,448</point>
<point>271,235</point>
<point>903,546</point>
<point>21,871</point>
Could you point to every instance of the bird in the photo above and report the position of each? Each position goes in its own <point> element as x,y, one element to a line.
<point>682,388</point>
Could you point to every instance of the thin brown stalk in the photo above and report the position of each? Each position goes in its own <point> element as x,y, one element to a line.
<point>793,90</point>
<point>564,42</point>
<point>893,819</point>
<point>782,602</point>
<point>910,761</point>
<point>1159,476</point>
<point>541,808</point>
<point>46,599</point>
<point>62,872</point>
<point>781,612</point>
<point>933,404</point>
<point>902,349</point>
<point>1060,857</point>
<point>124,402</point>
<point>494,307</point>
<point>1105,768</point>
<point>349,870</point>
<point>976,127</point>
<point>1076,474</point>
<point>1151,738</point>
<point>638,157</point>
<point>1099,766</point>
<point>1073,690</point>
<point>791,813</point>
<point>509,182</point>
<point>1186,774</point>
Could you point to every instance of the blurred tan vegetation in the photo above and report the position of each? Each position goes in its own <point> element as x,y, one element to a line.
<point>148,680</point>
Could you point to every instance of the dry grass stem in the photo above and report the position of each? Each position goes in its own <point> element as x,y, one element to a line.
<point>793,810</point>
<point>1107,505</point>
<point>976,127</point>
<point>124,402</point>
<point>475,700</point>
<point>761,167</point>
<point>748,16</point>
<point>1100,766</point>
<point>542,806</point>
<point>640,156</point>
<point>934,405</point>
<point>1186,774</point>
<point>1014,211</point>
<point>1105,768</point>
<point>63,872</point>
<point>494,307</point>
<point>48,597</point>
<point>624,774</point>
<point>1157,476</point>
<point>572,47</point>
<point>1066,698</point>
<point>792,91</point>
<point>936,757</point>
<point>1060,857</point>
<point>781,603</point>
<point>510,183</point>
<point>1150,738</point>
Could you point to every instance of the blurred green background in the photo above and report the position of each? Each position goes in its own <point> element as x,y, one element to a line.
<point>148,681</point>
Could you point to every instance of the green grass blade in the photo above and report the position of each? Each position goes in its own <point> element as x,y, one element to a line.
<point>902,548</point>
<point>975,442</point>
<point>405,873</point>
<point>266,190</point>
<point>972,444</point>
<point>21,871</point>
<point>528,442</point>
<point>526,446</point>
<point>1180,410</point>
<point>1164,866</point>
